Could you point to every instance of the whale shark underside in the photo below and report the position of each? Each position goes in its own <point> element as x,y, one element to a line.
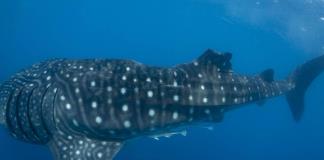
<point>87,109</point>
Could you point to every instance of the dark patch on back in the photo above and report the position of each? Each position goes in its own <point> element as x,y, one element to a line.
<point>211,60</point>
<point>267,75</point>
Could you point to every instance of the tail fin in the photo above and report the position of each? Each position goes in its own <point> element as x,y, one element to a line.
<point>302,78</point>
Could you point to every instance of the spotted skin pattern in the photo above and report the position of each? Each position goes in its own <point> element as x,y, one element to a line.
<point>86,109</point>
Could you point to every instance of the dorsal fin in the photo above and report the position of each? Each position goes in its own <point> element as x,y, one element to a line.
<point>211,59</point>
<point>267,75</point>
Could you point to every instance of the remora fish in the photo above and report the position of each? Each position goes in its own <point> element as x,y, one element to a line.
<point>87,109</point>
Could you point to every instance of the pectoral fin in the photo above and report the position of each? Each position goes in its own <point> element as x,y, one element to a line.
<point>77,147</point>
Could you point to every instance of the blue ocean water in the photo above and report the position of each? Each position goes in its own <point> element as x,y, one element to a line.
<point>260,34</point>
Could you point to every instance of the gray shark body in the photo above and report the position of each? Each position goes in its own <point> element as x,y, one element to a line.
<point>87,109</point>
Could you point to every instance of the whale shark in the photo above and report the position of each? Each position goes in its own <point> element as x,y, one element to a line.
<point>88,109</point>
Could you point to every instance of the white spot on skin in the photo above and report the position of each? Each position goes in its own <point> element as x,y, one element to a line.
<point>150,94</point>
<point>94,104</point>
<point>124,78</point>
<point>205,100</point>
<point>93,84</point>
<point>148,80</point>
<point>123,91</point>
<point>196,63</point>
<point>127,124</point>
<point>202,87</point>
<point>109,101</point>
<point>77,90</point>
<point>75,122</point>
<point>109,88</point>
<point>89,154</point>
<point>235,88</point>
<point>98,120</point>
<point>125,107</point>
<point>62,98</point>
<point>219,76</point>
<point>235,100</point>
<point>75,79</point>
<point>175,115</point>
<point>77,152</point>
<point>322,18</point>
<point>127,69</point>
<point>151,112</point>
<point>190,97</point>
<point>175,83</point>
<point>136,89</point>
<point>68,106</point>
<point>222,88</point>
<point>99,155</point>
<point>48,78</point>
<point>176,98</point>
<point>200,75</point>
<point>223,99</point>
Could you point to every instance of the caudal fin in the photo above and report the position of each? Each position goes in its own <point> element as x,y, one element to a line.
<point>302,78</point>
